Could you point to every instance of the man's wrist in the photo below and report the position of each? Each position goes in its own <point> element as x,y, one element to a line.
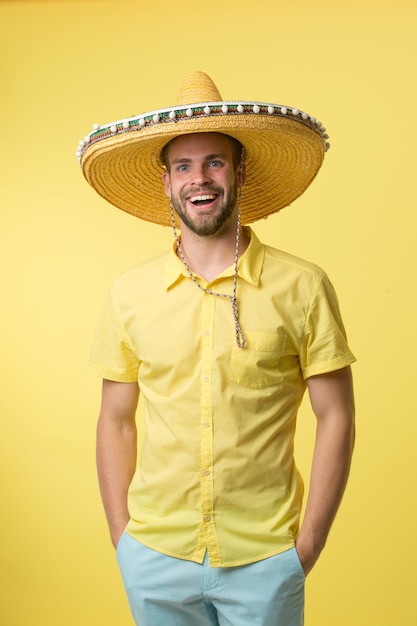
<point>308,551</point>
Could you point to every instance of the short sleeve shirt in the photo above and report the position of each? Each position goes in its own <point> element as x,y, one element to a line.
<point>216,470</point>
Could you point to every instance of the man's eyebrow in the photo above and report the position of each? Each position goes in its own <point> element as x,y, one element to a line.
<point>217,155</point>
<point>181,160</point>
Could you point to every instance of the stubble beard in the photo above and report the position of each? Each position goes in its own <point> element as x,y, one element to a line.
<point>208,224</point>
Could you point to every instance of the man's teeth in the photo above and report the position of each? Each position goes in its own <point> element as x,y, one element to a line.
<point>202,198</point>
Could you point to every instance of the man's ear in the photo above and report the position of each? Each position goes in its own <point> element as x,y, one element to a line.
<point>167,183</point>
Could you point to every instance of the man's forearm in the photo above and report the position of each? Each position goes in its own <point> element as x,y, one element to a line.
<point>329,474</point>
<point>116,462</point>
<point>332,400</point>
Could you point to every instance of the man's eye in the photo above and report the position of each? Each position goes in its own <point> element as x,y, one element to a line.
<point>182,168</point>
<point>215,163</point>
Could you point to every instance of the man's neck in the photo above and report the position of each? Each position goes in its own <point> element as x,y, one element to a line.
<point>210,256</point>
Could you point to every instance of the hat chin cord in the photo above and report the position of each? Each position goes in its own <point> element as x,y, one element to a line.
<point>239,336</point>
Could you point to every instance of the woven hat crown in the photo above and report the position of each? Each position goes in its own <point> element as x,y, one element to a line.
<point>197,87</point>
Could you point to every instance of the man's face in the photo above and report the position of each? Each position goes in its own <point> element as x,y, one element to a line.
<point>202,181</point>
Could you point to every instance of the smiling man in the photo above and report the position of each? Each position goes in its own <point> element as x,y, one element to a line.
<point>205,180</point>
<point>202,180</point>
<point>222,336</point>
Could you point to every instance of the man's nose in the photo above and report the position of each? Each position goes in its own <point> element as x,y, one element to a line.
<point>201,175</point>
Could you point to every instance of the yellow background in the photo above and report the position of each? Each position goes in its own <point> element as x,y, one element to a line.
<point>66,65</point>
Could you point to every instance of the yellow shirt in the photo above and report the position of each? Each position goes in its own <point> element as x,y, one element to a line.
<point>216,468</point>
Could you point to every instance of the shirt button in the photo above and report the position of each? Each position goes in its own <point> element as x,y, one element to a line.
<point>207,333</point>
<point>207,473</point>
<point>207,424</point>
<point>207,518</point>
<point>206,379</point>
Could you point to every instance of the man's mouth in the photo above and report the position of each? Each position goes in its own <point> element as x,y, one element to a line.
<point>202,199</point>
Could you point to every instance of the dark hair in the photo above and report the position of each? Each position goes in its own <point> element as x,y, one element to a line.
<point>237,150</point>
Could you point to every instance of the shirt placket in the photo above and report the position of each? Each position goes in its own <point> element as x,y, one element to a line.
<point>206,430</point>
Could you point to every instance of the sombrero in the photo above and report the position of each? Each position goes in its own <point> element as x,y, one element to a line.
<point>284,149</point>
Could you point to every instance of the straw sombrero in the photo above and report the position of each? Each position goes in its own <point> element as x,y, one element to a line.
<point>284,148</point>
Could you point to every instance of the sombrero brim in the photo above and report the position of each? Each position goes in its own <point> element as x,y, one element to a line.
<point>284,148</point>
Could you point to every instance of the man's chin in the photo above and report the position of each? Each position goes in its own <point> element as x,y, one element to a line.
<point>204,222</point>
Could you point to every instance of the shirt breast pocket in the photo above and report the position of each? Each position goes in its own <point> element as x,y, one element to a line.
<point>258,365</point>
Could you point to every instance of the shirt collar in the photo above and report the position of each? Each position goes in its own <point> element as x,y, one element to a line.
<point>249,268</point>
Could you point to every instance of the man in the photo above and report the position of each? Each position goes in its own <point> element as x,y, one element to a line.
<point>222,336</point>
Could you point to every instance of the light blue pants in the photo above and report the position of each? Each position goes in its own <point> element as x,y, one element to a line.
<point>165,591</point>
